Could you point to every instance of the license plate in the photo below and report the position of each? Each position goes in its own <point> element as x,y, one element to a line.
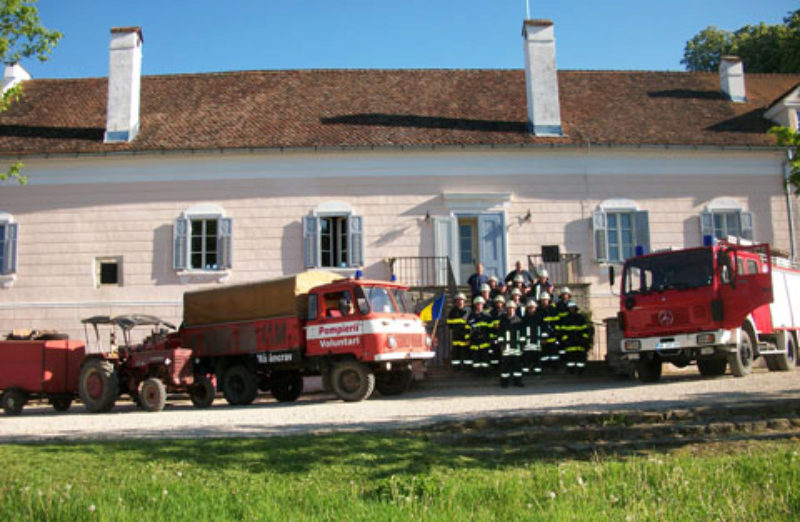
<point>668,345</point>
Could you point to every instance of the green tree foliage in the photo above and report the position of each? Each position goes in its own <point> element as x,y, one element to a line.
<point>22,35</point>
<point>763,48</point>
<point>790,138</point>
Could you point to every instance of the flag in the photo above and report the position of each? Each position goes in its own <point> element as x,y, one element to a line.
<point>433,310</point>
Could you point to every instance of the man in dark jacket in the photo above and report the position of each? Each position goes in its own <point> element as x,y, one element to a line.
<point>512,340</point>
<point>575,338</point>
<point>459,332</point>
<point>477,280</point>
<point>480,336</point>
<point>527,277</point>
<point>532,351</point>
<point>548,319</point>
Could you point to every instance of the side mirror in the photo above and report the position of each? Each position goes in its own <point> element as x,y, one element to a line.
<point>611,276</point>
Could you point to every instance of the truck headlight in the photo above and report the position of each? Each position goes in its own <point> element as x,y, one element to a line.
<point>392,342</point>
<point>428,341</point>
<point>706,338</point>
<point>631,345</point>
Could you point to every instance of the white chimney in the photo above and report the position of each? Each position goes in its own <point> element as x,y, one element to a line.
<point>124,84</point>
<point>731,78</point>
<point>13,75</point>
<point>541,81</point>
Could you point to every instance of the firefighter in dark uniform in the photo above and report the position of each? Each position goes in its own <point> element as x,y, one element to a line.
<point>564,297</point>
<point>497,313</point>
<point>459,332</point>
<point>575,338</point>
<point>480,336</point>
<point>532,351</point>
<point>512,340</point>
<point>548,319</point>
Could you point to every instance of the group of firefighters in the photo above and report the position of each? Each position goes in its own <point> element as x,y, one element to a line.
<point>513,326</point>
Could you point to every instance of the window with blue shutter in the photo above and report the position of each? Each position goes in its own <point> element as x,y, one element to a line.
<point>8,248</point>
<point>617,233</point>
<point>203,241</point>
<point>333,241</point>
<point>722,224</point>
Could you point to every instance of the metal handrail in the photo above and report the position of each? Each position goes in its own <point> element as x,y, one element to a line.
<point>567,270</point>
<point>424,271</point>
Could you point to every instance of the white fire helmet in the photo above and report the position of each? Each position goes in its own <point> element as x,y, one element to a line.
<point>479,299</point>
<point>485,288</point>
<point>543,296</point>
<point>565,290</point>
<point>461,296</point>
<point>543,273</point>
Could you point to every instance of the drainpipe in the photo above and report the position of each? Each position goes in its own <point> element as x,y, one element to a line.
<point>790,152</point>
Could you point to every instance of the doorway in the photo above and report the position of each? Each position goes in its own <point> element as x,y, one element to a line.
<point>467,246</point>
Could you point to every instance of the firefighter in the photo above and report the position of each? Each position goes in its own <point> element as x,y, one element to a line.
<point>575,338</point>
<point>532,352</point>
<point>497,313</point>
<point>564,297</point>
<point>486,290</point>
<point>516,296</point>
<point>480,336</point>
<point>548,319</point>
<point>459,332</point>
<point>542,284</point>
<point>512,339</point>
<point>495,290</point>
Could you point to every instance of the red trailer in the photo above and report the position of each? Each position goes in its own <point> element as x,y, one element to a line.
<point>39,369</point>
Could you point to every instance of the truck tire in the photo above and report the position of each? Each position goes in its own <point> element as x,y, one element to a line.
<point>352,381</point>
<point>202,392</point>
<point>785,361</point>
<point>286,386</point>
<point>61,403</point>
<point>649,370</point>
<point>152,395</point>
<point>14,400</point>
<point>712,367</point>
<point>741,361</point>
<point>239,386</point>
<point>393,383</point>
<point>98,385</point>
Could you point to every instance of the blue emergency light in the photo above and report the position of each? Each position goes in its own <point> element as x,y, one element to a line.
<point>709,240</point>
<point>393,278</point>
<point>359,273</point>
<point>639,250</point>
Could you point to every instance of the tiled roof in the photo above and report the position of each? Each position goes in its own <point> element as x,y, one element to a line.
<point>363,108</point>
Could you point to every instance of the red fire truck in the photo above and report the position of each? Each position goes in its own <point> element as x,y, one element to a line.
<point>723,304</point>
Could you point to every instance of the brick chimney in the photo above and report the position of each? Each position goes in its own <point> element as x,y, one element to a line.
<point>124,84</point>
<point>541,81</point>
<point>731,78</point>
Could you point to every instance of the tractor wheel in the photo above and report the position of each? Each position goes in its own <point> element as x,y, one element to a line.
<point>712,367</point>
<point>393,383</point>
<point>152,395</point>
<point>202,392</point>
<point>98,385</point>
<point>352,381</point>
<point>785,361</point>
<point>649,370</point>
<point>286,385</point>
<point>61,402</point>
<point>13,401</point>
<point>741,361</point>
<point>240,386</point>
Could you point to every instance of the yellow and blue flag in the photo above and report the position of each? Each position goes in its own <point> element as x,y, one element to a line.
<point>433,310</point>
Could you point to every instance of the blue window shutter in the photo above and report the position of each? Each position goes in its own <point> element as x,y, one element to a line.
<point>180,243</point>
<point>311,250</point>
<point>746,221</point>
<point>9,247</point>
<point>599,227</point>
<point>355,238</point>
<point>641,227</point>
<point>706,224</point>
<point>225,242</point>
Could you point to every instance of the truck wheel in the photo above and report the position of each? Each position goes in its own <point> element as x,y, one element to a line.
<point>393,383</point>
<point>153,395</point>
<point>286,385</point>
<point>352,381</point>
<point>13,401</point>
<point>785,361</point>
<point>712,367</point>
<point>741,361</point>
<point>61,403</point>
<point>98,385</point>
<point>649,370</point>
<point>202,392</point>
<point>240,386</point>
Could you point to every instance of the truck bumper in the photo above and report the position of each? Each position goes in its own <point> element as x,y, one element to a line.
<point>403,356</point>
<point>693,345</point>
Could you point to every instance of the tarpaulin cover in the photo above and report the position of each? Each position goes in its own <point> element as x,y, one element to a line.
<point>255,300</point>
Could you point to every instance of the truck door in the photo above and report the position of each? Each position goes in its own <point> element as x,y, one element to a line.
<point>742,292</point>
<point>337,327</point>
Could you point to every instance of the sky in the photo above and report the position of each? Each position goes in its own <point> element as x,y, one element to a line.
<point>193,36</point>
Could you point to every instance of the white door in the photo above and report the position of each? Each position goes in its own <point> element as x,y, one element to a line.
<point>445,244</point>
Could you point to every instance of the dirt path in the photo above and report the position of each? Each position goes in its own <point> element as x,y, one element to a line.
<point>322,413</point>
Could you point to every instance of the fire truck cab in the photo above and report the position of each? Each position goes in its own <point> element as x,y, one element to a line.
<point>723,304</point>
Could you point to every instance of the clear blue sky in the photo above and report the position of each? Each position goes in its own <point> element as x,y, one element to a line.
<point>182,36</point>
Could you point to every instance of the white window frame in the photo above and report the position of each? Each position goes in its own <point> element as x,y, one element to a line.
<point>98,262</point>
<point>640,229</point>
<point>348,236</point>
<point>182,242</point>
<point>8,250</point>
<point>726,207</point>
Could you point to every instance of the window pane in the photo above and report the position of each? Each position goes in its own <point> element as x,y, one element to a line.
<point>627,251</point>
<point>625,220</point>
<point>611,220</point>
<point>211,227</point>
<point>613,238</point>
<point>197,260</point>
<point>380,300</point>
<point>733,224</point>
<point>197,244</point>
<point>211,261</point>
<point>211,244</point>
<point>627,237</point>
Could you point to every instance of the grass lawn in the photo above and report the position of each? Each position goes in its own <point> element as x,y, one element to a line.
<point>392,476</point>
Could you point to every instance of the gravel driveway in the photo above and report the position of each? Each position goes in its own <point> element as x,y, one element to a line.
<point>323,413</point>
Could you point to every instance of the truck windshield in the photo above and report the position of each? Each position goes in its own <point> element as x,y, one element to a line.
<point>379,299</point>
<point>401,298</point>
<point>678,271</point>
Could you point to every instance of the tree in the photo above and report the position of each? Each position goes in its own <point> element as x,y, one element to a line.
<point>790,138</point>
<point>22,36</point>
<point>763,48</point>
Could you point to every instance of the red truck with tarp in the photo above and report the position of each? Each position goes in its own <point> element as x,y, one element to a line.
<point>719,305</point>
